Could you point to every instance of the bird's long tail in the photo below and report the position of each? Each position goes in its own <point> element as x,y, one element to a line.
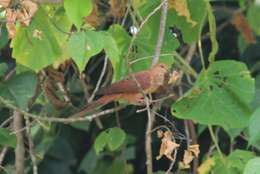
<point>96,104</point>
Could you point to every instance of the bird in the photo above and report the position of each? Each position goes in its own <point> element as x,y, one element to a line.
<point>133,88</point>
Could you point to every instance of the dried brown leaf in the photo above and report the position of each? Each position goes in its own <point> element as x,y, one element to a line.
<point>241,24</point>
<point>94,18</point>
<point>11,16</point>
<point>195,149</point>
<point>167,146</point>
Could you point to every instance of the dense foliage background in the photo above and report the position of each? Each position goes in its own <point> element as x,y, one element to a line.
<point>56,54</point>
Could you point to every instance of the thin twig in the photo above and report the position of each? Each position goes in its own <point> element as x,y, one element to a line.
<point>151,114</point>
<point>91,98</point>
<point>4,123</point>
<point>76,117</point>
<point>161,33</point>
<point>2,155</point>
<point>31,145</point>
<point>99,80</point>
<point>19,150</point>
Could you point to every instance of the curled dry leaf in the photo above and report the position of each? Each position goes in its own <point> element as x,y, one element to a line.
<point>11,16</point>
<point>4,3</point>
<point>241,24</point>
<point>23,15</point>
<point>181,8</point>
<point>174,77</point>
<point>189,154</point>
<point>195,149</point>
<point>167,146</point>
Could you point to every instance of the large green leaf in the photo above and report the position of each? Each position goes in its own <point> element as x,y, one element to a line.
<point>220,96</point>
<point>254,128</point>
<point>77,9</point>
<point>83,45</point>
<point>252,166</point>
<point>19,89</point>
<point>233,164</point>
<point>6,138</point>
<point>146,40</point>
<point>122,40</point>
<point>198,12</point>
<point>37,52</point>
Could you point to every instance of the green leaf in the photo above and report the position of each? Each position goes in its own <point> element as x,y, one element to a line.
<point>116,138</point>
<point>220,96</point>
<point>198,13</point>
<point>19,89</point>
<point>101,141</point>
<point>233,164</point>
<point>3,69</point>
<point>122,40</point>
<point>111,49</point>
<point>6,138</point>
<point>252,166</point>
<point>39,52</point>
<point>77,10</point>
<point>83,45</point>
<point>254,128</point>
<point>89,162</point>
<point>112,137</point>
<point>253,16</point>
<point>145,43</point>
<point>4,36</point>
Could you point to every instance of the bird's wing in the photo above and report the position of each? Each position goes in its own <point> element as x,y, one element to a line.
<point>129,85</point>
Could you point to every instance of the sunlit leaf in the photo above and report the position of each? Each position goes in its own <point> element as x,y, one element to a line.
<point>77,9</point>
<point>221,96</point>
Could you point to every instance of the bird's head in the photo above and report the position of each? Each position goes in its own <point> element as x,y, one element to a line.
<point>161,68</point>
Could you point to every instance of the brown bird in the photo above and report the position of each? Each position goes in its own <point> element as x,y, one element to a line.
<point>133,88</point>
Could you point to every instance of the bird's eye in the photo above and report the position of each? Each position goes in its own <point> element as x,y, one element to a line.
<point>162,66</point>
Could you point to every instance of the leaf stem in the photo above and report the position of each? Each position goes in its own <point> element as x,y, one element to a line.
<point>214,139</point>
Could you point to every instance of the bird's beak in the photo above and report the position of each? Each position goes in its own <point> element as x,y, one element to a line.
<point>174,76</point>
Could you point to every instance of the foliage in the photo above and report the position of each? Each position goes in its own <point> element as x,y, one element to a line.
<point>52,66</point>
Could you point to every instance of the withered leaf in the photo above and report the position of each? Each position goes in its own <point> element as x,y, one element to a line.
<point>241,24</point>
<point>167,146</point>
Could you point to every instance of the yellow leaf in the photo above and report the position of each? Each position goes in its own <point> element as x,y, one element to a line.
<point>206,166</point>
<point>181,8</point>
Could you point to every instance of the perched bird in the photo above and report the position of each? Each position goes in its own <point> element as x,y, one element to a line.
<point>133,88</point>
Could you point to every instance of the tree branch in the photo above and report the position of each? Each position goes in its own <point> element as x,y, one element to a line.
<point>19,150</point>
<point>76,117</point>
<point>151,114</point>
